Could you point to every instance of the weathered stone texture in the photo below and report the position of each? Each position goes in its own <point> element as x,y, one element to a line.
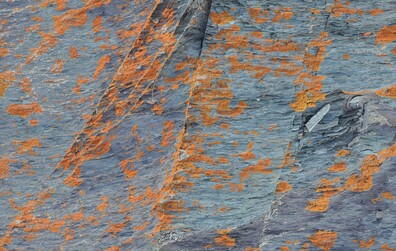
<point>197,125</point>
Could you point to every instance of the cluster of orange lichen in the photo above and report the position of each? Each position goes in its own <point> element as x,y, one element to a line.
<point>310,82</point>
<point>355,182</point>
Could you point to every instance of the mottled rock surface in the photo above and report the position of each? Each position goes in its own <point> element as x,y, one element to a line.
<point>197,125</point>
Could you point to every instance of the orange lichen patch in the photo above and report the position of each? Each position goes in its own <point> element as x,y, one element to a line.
<point>157,109</point>
<point>252,249</point>
<point>389,92</point>
<point>115,228</point>
<point>259,168</point>
<point>338,167</point>
<point>282,13</point>
<point>33,122</point>
<point>101,65</point>
<point>25,85</point>
<point>6,79</point>
<point>338,9</point>
<point>283,186</point>
<point>103,206</point>
<point>97,24</point>
<point>257,34</point>
<point>181,65</point>
<point>73,52</point>
<point>4,167</point>
<point>323,239</point>
<point>49,41</point>
<point>312,84</point>
<point>224,109</point>
<point>248,154</point>
<point>24,110</point>
<point>386,35</point>
<point>385,247</point>
<point>287,68</point>
<point>345,56</point>
<point>167,133</point>
<point>82,80</point>
<point>284,248</point>
<point>288,159</point>
<point>342,153</point>
<point>76,17</point>
<point>218,186</point>
<point>126,166</point>
<point>36,19</point>
<point>74,178</point>
<point>388,195</point>
<point>309,96</point>
<point>376,12</point>
<point>113,248</point>
<point>394,51</point>
<point>120,108</point>
<point>355,182</point>
<point>258,15</point>
<point>27,146</point>
<point>61,4</point>
<point>224,239</point>
<point>321,204</point>
<point>141,227</point>
<point>221,18</point>
<point>258,71</point>
<point>4,52</point>
<point>57,67</point>
<point>365,244</point>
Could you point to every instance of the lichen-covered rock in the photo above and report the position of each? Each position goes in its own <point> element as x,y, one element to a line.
<point>197,125</point>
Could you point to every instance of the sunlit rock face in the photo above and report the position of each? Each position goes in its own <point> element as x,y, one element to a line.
<point>197,125</point>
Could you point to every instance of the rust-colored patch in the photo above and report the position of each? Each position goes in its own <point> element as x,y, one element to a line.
<point>57,67</point>
<point>4,167</point>
<point>321,204</point>
<point>73,52</point>
<point>282,13</point>
<point>224,239</point>
<point>113,248</point>
<point>4,52</point>
<point>343,153</point>
<point>73,179</point>
<point>167,133</point>
<point>248,154</point>
<point>33,122</point>
<point>386,35</point>
<point>385,247</point>
<point>388,195</point>
<point>323,239</point>
<point>27,146</point>
<point>101,65</point>
<point>365,244</point>
<point>6,79</point>
<point>25,85</point>
<point>338,167</point>
<point>61,4</point>
<point>259,168</point>
<point>103,206</point>
<point>376,12</point>
<point>221,18</point>
<point>97,24</point>
<point>126,166</point>
<point>24,110</point>
<point>389,92</point>
<point>76,17</point>
<point>283,186</point>
<point>258,15</point>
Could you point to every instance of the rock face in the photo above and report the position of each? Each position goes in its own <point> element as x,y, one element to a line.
<point>197,125</point>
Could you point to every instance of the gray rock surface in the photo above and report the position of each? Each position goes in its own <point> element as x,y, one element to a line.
<point>197,125</point>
